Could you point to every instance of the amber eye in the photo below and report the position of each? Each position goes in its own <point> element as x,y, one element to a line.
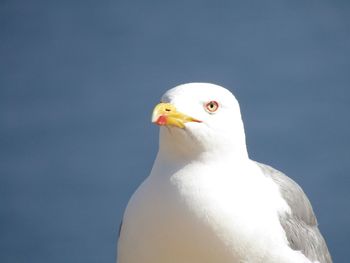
<point>212,106</point>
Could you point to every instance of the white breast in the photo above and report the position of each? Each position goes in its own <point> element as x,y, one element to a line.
<point>205,213</point>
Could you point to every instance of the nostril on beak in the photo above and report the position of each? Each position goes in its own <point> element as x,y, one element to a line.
<point>167,109</point>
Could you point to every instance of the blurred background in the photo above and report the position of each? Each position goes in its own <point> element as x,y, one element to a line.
<point>78,82</point>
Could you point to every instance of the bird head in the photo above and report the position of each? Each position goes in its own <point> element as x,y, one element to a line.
<point>199,118</point>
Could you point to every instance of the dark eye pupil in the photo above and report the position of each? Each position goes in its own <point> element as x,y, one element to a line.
<point>212,106</point>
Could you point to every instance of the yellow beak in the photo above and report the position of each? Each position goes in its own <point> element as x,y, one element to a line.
<point>166,114</point>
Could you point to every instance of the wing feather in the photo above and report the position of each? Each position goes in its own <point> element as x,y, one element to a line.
<point>300,226</point>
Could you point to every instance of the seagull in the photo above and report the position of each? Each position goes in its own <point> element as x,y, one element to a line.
<point>206,201</point>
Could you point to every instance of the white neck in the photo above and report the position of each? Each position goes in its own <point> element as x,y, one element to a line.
<point>174,146</point>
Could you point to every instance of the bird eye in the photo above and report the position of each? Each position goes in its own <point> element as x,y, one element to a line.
<point>211,106</point>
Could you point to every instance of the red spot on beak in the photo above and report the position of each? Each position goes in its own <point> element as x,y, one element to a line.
<point>162,120</point>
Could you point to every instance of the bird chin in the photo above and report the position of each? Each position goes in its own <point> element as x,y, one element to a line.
<point>174,131</point>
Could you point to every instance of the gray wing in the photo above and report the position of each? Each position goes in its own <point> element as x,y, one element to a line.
<point>301,225</point>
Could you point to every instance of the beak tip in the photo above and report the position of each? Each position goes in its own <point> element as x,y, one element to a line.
<point>161,120</point>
